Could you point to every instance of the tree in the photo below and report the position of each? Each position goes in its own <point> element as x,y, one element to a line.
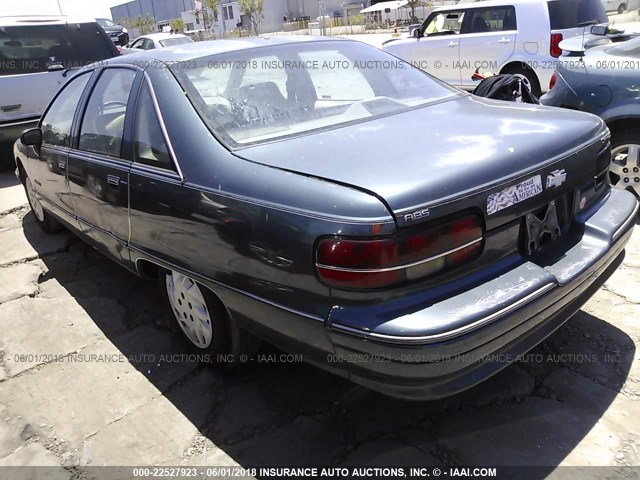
<point>144,25</point>
<point>412,4</point>
<point>254,10</point>
<point>178,25</point>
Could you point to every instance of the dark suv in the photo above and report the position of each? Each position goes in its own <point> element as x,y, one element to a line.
<point>117,33</point>
<point>35,53</point>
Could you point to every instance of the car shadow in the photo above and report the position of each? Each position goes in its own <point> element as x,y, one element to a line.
<point>273,412</point>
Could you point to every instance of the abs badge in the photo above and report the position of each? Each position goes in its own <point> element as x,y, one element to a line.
<point>556,178</point>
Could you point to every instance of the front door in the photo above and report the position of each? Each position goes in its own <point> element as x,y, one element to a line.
<point>50,165</point>
<point>438,50</point>
<point>487,41</point>
<point>99,166</point>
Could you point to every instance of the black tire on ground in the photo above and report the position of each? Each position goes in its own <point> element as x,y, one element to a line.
<point>627,136</point>
<point>531,76</point>
<point>220,345</point>
<point>43,218</point>
<point>622,8</point>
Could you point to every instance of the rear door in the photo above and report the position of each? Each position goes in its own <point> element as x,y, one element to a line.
<point>99,166</point>
<point>487,41</point>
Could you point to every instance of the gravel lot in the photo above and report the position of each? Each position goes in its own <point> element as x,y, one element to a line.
<point>575,400</point>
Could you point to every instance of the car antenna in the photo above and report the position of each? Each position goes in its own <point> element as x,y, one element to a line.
<point>584,31</point>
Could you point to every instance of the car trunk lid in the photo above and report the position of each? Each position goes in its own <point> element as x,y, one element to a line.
<point>450,156</point>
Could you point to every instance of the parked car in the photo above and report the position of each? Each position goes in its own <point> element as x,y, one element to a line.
<point>500,36</point>
<point>35,53</point>
<point>155,40</point>
<point>604,81</point>
<point>274,186</point>
<point>117,33</point>
<point>620,6</point>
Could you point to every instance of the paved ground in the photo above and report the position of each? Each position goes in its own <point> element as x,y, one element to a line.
<point>575,401</point>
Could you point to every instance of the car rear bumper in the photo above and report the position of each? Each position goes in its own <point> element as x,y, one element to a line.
<point>447,347</point>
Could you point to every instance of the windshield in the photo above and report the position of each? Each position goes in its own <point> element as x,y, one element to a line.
<point>105,22</point>
<point>629,48</point>
<point>38,48</point>
<point>267,93</point>
<point>171,42</point>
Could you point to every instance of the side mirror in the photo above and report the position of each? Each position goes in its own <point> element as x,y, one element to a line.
<point>31,137</point>
<point>416,33</point>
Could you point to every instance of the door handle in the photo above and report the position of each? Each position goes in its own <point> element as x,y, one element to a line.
<point>113,180</point>
<point>62,164</point>
<point>504,41</point>
<point>453,44</point>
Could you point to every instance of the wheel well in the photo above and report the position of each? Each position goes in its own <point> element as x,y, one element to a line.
<point>515,66</point>
<point>622,124</point>
<point>149,270</point>
<point>21,169</point>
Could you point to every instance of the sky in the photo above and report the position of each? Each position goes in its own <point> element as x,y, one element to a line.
<point>85,8</point>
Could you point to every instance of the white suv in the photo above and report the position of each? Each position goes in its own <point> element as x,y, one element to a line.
<point>35,52</point>
<point>503,36</point>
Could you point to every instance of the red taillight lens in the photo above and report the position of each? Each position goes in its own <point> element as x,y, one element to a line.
<point>554,79</point>
<point>555,49</point>
<point>377,263</point>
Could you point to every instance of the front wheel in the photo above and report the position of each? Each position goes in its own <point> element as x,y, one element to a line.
<point>625,160</point>
<point>43,218</point>
<point>199,317</point>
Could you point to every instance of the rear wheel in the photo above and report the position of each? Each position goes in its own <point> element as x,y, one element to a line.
<point>44,220</point>
<point>531,77</point>
<point>622,8</point>
<point>199,317</point>
<point>625,160</point>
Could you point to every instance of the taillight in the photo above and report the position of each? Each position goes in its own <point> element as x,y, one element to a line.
<point>382,262</point>
<point>555,49</point>
<point>554,79</point>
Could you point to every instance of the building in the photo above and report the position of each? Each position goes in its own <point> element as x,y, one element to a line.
<point>229,15</point>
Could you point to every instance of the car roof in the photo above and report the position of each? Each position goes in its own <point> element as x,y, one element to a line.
<point>31,20</point>
<point>161,35</point>
<point>190,51</point>
<point>487,4</point>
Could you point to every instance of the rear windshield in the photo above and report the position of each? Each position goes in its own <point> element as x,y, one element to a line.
<point>630,48</point>
<point>38,48</point>
<point>565,14</point>
<point>171,42</point>
<point>263,94</point>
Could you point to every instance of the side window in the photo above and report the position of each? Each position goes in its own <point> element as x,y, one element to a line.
<point>445,23</point>
<point>56,124</point>
<point>103,122</point>
<point>138,43</point>
<point>484,20</point>
<point>149,142</point>
<point>148,44</point>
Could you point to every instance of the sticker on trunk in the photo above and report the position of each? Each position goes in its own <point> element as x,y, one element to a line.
<point>514,194</point>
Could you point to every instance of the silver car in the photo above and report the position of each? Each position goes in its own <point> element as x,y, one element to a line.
<point>35,54</point>
<point>604,81</point>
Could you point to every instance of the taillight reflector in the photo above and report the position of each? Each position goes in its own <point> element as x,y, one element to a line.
<point>554,79</point>
<point>376,263</point>
<point>555,49</point>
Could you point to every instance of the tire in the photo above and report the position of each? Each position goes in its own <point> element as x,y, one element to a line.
<point>197,316</point>
<point>43,218</point>
<point>531,76</point>
<point>624,171</point>
<point>622,8</point>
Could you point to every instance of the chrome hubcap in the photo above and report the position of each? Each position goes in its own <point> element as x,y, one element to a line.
<point>190,309</point>
<point>36,206</point>
<point>625,167</point>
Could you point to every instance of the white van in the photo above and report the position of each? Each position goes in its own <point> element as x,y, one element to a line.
<point>35,53</point>
<point>500,36</point>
